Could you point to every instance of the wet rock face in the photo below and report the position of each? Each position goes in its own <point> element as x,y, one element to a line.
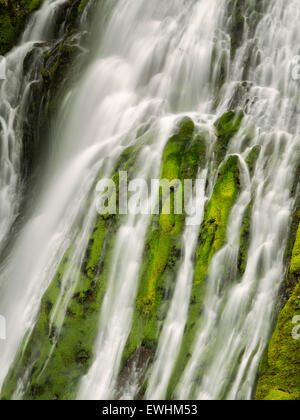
<point>56,67</point>
<point>240,15</point>
<point>13,16</point>
<point>134,372</point>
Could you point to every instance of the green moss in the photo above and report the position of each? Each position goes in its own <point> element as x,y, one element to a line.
<point>213,232</point>
<point>82,6</point>
<point>56,363</point>
<point>264,364</point>
<point>52,360</point>
<point>245,240</point>
<point>295,263</point>
<point>226,127</point>
<point>229,124</point>
<point>252,158</point>
<point>280,378</point>
<point>277,395</point>
<point>13,16</point>
<point>183,155</point>
<point>212,238</point>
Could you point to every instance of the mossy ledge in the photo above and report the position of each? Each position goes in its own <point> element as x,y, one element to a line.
<point>212,238</point>
<point>227,126</point>
<point>184,153</point>
<point>279,373</point>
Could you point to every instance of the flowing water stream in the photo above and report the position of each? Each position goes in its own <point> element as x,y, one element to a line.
<point>14,94</point>
<point>157,62</point>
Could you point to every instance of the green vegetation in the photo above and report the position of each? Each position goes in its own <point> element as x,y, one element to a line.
<point>226,127</point>
<point>213,232</point>
<point>295,263</point>
<point>13,15</point>
<point>280,368</point>
<point>184,153</point>
<point>252,158</point>
<point>212,238</point>
<point>52,361</point>
<point>82,5</point>
<point>182,156</point>
<point>55,362</point>
<point>245,239</point>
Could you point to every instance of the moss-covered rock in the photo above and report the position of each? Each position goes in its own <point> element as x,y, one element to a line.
<point>252,158</point>
<point>82,5</point>
<point>295,262</point>
<point>245,239</point>
<point>226,127</point>
<point>13,16</point>
<point>52,359</point>
<point>212,238</point>
<point>184,153</point>
<point>280,368</point>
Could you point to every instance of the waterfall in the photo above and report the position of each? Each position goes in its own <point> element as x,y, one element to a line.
<point>14,95</point>
<point>155,65</point>
<point>173,330</point>
<point>238,316</point>
<point>15,91</point>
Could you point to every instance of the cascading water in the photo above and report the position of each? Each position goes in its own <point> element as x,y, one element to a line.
<point>173,56</point>
<point>14,94</point>
<point>237,319</point>
<point>14,100</point>
<point>172,333</point>
<point>156,63</point>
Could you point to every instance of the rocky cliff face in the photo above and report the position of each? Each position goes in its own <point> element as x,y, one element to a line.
<point>185,152</point>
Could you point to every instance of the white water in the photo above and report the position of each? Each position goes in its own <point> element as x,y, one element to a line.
<point>153,66</point>
<point>118,303</point>
<point>14,93</point>
<point>157,55</point>
<point>238,317</point>
<point>173,329</point>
